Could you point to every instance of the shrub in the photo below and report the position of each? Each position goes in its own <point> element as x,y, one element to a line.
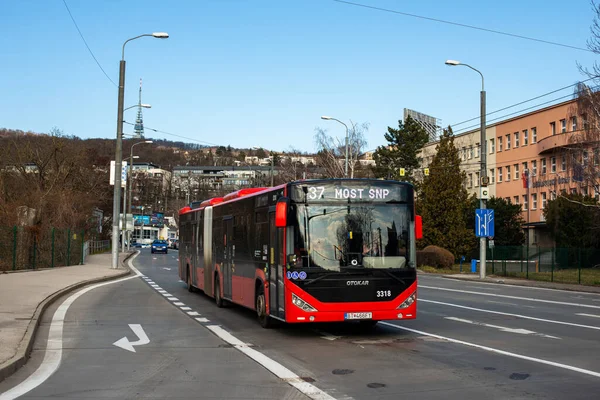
<point>436,257</point>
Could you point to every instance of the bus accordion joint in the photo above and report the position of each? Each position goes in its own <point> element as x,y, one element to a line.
<point>418,227</point>
<point>281,210</point>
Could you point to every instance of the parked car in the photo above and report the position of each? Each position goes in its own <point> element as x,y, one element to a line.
<point>159,246</point>
<point>174,244</point>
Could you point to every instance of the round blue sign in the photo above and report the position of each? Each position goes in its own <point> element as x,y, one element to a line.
<point>295,275</point>
<point>289,275</point>
<point>302,275</point>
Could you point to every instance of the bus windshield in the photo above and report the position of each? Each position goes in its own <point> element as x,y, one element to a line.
<point>339,237</point>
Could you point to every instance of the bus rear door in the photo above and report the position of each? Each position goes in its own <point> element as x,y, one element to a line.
<point>276,269</point>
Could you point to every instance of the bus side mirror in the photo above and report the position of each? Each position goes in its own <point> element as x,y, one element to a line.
<point>418,227</point>
<point>281,211</point>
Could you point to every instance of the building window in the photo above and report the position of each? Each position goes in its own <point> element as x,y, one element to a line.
<point>596,156</point>
<point>586,157</point>
<point>525,202</point>
<point>499,174</point>
<point>507,199</point>
<point>470,152</point>
<point>477,148</point>
<point>516,200</point>
<point>563,163</point>
<point>573,124</point>
<point>508,142</point>
<point>492,175</point>
<point>574,191</point>
<point>525,137</point>
<point>534,201</point>
<point>533,167</point>
<point>543,172</point>
<point>470,181</point>
<point>552,128</point>
<point>552,195</point>
<point>507,173</point>
<point>464,152</point>
<point>543,200</point>
<point>516,171</point>
<point>524,166</point>
<point>499,143</point>
<point>477,179</point>
<point>492,146</point>
<point>534,135</point>
<point>553,165</point>
<point>516,139</point>
<point>563,125</point>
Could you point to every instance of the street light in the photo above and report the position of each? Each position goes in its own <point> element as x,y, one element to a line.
<point>119,149</point>
<point>483,172</point>
<point>334,119</point>
<point>130,184</point>
<point>139,105</point>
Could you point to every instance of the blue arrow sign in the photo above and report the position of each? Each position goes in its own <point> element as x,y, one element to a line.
<point>484,222</point>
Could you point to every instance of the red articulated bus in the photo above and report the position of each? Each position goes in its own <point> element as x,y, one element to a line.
<point>308,251</point>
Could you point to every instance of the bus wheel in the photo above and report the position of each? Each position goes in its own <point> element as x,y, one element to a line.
<point>261,309</point>
<point>190,287</point>
<point>218,298</point>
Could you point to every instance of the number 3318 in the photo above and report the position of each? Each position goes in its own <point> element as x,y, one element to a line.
<point>384,293</point>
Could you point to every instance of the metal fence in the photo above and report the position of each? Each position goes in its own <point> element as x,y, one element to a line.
<point>24,247</point>
<point>552,264</point>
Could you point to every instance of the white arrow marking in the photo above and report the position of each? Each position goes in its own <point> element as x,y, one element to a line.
<point>168,269</point>
<point>502,328</point>
<point>588,315</point>
<point>124,343</point>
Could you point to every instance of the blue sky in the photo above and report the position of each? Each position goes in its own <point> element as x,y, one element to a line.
<point>261,72</point>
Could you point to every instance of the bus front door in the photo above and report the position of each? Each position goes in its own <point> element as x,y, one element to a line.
<point>276,269</point>
<point>228,256</point>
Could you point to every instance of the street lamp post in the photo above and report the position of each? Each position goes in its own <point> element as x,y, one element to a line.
<point>334,119</point>
<point>483,172</point>
<point>119,149</point>
<point>130,183</point>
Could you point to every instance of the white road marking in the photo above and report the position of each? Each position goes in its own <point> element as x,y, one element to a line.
<point>161,291</point>
<point>172,299</point>
<point>154,258</point>
<point>186,308</point>
<point>178,303</point>
<point>54,345</point>
<point>519,331</point>
<point>588,315</point>
<point>523,287</point>
<point>167,294</point>
<point>512,297</point>
<point>201,319</point>
<point>277,369</point>
<point>510,314</point>
<point>193,313</point>
<point>498,351</point>
<point>143,339</point>
<point>165,268</point>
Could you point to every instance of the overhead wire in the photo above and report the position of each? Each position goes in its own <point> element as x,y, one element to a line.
<point>86,45</point>
<point>462,25</point>
<point>175,135</point>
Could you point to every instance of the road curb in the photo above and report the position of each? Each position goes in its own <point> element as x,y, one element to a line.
<point>554,286</point>
<point>25,346</point>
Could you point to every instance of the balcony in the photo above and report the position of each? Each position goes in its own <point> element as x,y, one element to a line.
<point>550,143</point>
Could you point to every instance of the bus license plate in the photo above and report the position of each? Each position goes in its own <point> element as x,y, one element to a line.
<point>358,315</point>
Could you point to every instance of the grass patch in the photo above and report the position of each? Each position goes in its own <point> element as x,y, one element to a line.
<point>445,271</point>
<point>589,276</point>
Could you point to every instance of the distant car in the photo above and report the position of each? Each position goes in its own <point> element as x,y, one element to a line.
<point>160,246</point>
<point>174,244</point>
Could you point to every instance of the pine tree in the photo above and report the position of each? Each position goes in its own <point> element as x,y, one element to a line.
<point>444,200</point>
<point>401,151</point>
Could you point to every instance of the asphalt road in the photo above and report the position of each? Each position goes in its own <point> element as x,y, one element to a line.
<point>470,341</point>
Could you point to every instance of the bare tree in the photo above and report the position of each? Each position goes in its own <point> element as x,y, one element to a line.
<point>331,151</point>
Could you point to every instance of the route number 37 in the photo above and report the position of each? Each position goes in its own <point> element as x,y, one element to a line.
<point>315,192</point>
<point>384,293</point>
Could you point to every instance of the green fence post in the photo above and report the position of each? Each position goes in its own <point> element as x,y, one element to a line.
<point>52,261</point>
<point>527,264</point>
<point>82,246</point>
<point>14,247</point>
<point>68,246</point>
<point>579,274</point>
<point>552,270</point>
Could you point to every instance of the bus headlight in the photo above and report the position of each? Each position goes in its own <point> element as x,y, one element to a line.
<point>298,302</point>
<point>408,302</point>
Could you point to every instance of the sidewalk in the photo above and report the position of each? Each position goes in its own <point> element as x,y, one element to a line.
<point>25,295</point>
<point>524,282</point>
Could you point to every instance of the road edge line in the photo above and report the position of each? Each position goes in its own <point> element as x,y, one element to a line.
<point>23,353</point>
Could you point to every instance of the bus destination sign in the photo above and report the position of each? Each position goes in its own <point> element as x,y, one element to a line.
<point>357,191</point>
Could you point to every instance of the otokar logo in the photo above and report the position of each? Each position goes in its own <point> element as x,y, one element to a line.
<point>357,283</point>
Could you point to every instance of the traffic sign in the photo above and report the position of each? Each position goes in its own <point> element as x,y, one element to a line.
<point>484,222</point>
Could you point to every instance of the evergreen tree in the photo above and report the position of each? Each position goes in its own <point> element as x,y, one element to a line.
<point>444,200</point>
<point>401,151</point>
<point>573,221</point>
